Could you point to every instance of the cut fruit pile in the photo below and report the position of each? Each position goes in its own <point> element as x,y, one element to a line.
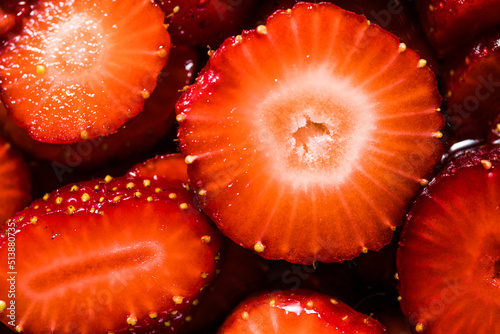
<point>279,166</point>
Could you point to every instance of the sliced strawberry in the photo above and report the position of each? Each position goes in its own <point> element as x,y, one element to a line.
<point>81,69</point>
<point>15,182</point>
<point>450,24</point>
<point>449,255</point>
<point>308,137</point>
<point>169,167</point>
<point>472,88</point>
<point>138,135</point>
<point>107,256</point>
<point>397,17</point>
<point>205,22</point>
<point>299,311</point>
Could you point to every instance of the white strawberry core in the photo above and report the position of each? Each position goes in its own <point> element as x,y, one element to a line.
<point>316,127</point>
<point>75,45</point>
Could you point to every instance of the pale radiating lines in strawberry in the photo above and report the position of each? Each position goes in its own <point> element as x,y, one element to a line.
<point>300,134</point>
<point>449,255</point>
<point>110,255</point>
<point>80,69</point>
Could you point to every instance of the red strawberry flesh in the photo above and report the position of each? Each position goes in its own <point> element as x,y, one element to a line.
<point>169,168</point>
<point>310,150</point>
<point>80,69</point>
<point>98,256</point>
<point>449,254</point>
<point>299,311</point>
<point>139,135</point>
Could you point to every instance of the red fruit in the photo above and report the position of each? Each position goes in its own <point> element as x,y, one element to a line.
<point>205,22</point>
<point>449,255</point>
<point>472,85</point>
<point>450,24</point>
<point>138,135</point>
<point>15,182</point>
<point>169,168</point>
<point>107,256</point>
<point>242,273</point>
<point>7,23</point>
<point>299,311</point>
<point>12,15</point>
<point>81,69</point>
<point>308,137</point>
<point>394,16</point>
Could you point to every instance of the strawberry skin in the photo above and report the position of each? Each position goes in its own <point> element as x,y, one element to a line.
<point>472,81</point>
<point>15,182</point>
<point>299,311</point>
<point>108,255</point>
<point>168,167</point>
<point>138,135</point>
<point>450,24</point>
<point>311,150</point>
<point>449,255</point>
<point>494,134</point>
<point>81,69</point>
<point>205,22</point>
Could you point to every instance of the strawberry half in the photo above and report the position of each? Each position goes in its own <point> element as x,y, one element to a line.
<point>307,138</point>
<point>450,24</point>
<point>15,182</point>
<point>472,83</point>
<point>139,135</point>
<point>299,311</point>
<point>81,69</point>
<point>108,255</point>
<point>449,255</point>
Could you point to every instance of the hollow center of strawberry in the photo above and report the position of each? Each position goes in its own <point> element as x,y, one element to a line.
<point>74,271</point>
<point>496,271</point>
<point>75,45</point>
<point>315,130</point>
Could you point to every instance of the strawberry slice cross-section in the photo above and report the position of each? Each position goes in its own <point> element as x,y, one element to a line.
<point>308,137</point>
<point>106,256</point>
<point>80,69</point>
<point>299,311</point>
<point>449,255</point>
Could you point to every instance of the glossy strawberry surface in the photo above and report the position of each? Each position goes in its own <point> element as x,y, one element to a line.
<point>107,255</point>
